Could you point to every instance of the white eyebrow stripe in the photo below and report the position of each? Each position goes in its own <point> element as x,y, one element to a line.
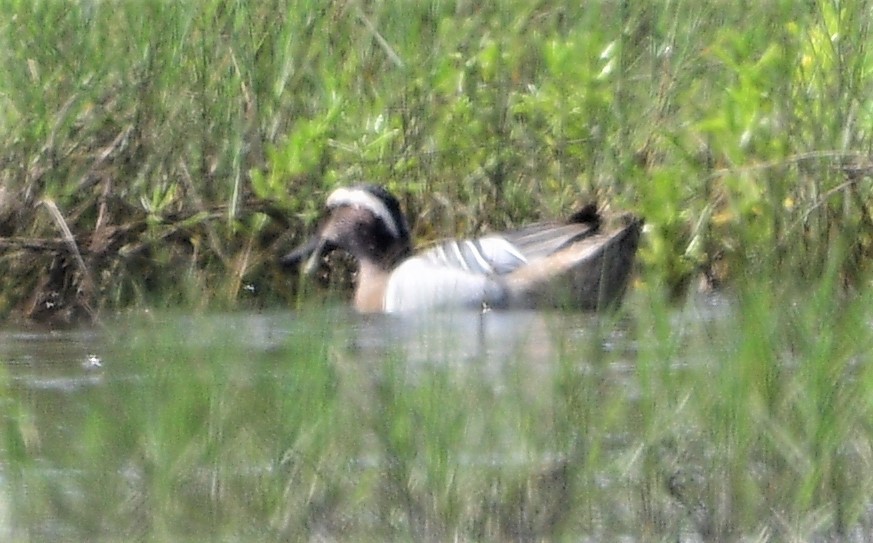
<point>362,198</point>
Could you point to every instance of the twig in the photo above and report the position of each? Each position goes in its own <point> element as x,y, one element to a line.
<point>792,159</point>
<point>89,285</point>
<point>211,235</point>
<point>68,236</point>
<point>34,244</point>
<point>383,43</point>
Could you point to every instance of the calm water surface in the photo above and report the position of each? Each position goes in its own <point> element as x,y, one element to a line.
<point>54,378</point>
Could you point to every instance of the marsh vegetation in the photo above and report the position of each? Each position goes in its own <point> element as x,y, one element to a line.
<point>159,155</point>
<point>162,154</point>
<point>722,420</point>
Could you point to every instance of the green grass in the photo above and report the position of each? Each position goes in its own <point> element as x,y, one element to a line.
<point>746,420</point>
<point>185,145</point>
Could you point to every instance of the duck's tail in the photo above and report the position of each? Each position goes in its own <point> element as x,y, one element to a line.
<point>590,274</point>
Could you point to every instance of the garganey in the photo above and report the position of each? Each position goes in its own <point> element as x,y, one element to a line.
<point>569,264</point>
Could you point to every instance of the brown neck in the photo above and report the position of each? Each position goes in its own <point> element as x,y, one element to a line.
<point>370,292</point>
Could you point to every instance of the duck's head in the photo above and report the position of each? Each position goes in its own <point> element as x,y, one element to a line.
<point>364,220</point>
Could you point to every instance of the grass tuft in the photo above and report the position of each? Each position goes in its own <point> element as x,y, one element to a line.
<point>186,145</point>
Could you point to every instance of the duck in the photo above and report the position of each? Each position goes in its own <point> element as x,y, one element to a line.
<point>575,263</point>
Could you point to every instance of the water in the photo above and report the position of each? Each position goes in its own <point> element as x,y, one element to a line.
<point>67,388</point>
<point>276,426</point>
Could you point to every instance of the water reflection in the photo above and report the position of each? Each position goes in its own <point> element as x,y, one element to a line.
<point>465,337</point>
<point>68,362</point>
<point>100,415</point>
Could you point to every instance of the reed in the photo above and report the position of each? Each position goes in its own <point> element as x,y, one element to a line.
<point>745,421</point>
<point>162,154</point>
<point>185,145</point>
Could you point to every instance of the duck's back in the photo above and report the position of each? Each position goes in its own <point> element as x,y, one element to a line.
<point>468,273</point>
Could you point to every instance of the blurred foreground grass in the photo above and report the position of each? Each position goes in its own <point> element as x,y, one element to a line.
<point>161,153</point>
<point>746,420</point>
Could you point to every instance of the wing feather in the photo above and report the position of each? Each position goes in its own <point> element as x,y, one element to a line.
<point>544,239</point>
<point>499,254</point>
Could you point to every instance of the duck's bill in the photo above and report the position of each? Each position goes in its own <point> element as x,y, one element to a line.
<point>307,255</point>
